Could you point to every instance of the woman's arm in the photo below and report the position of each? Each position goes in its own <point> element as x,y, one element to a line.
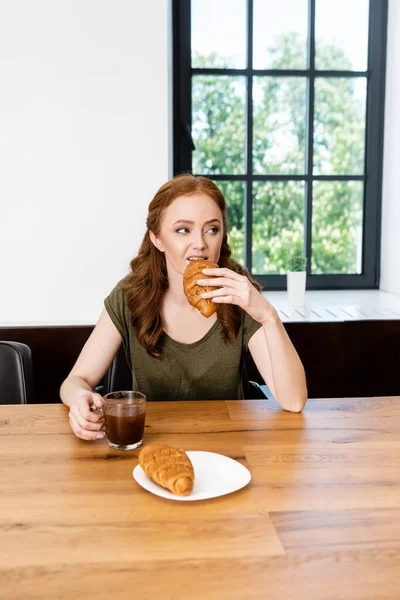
<point>278,362</point>
<point>77,390</point>
<point>270,346</point>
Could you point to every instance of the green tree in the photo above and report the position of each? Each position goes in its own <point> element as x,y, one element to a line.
<point>279,147</point>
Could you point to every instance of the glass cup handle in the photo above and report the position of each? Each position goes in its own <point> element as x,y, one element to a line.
<point>94,408</point>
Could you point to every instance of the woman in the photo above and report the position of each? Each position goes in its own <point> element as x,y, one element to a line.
<point>175,352</point>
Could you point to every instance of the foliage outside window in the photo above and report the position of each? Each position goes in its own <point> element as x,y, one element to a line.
<point>286,142</point>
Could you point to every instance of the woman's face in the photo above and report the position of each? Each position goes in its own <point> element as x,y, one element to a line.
<point>191,227</point>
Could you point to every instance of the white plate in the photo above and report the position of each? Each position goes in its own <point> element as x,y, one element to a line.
<point>214,475</point>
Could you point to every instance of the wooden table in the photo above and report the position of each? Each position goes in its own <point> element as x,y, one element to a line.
<point>320,518</point>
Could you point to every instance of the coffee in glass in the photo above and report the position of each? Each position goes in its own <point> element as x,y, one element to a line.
<point>125,416</point>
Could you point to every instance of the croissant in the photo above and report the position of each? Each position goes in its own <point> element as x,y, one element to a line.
<point>193,291</point>
<point>169,467</point>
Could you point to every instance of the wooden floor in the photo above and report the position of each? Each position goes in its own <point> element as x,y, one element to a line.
<point>319,520</point>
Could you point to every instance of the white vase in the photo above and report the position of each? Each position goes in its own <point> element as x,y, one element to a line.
<point>296,287</point>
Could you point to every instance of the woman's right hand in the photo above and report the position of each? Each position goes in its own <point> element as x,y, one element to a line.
<point>85,423</point>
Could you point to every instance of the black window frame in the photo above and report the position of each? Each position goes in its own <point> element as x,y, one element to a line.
<point>374,135</point>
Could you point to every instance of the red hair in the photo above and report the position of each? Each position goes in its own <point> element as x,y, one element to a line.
<point>148,280</point>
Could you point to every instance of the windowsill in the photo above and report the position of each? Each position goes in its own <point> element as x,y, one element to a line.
<point>338,305</point>
<point>322,306</point>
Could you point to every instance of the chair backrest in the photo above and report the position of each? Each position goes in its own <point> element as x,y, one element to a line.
<point>16,378</point>
<point>119,377</point>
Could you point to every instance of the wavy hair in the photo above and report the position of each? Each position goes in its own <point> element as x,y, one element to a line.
<point>147,281</point>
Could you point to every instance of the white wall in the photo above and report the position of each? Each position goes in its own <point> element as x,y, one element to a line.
<point>84,145</point>
<point>390,246</point>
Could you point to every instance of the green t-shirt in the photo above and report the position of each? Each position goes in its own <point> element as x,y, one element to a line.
<point>204,370</point>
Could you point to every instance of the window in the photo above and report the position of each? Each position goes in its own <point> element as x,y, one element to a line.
<point>282,105</point>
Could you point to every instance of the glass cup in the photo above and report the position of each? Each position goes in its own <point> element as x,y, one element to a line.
<point>124,416</point>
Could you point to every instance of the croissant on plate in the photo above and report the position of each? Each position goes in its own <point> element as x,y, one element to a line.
<point>169,467</point>
<point>193,291</point>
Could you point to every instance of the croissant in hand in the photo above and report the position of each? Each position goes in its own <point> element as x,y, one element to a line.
<point>193,291</point>
<point>169,467</point>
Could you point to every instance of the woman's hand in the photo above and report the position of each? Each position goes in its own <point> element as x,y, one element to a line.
<point>85,423</point>
<point>236,289</point>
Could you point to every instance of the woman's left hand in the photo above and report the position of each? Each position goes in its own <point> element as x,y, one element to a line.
<point>236,289</point>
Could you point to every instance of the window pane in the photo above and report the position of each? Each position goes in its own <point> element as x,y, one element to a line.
<point>218,33</point>
<point>279,125</point>
<point>280,34</point>
<point>278,229</point>
<point>341,35</point>
<point>339,126</point>
<point>218,124</point>
<point>234,194</point>
<point>337,227</point>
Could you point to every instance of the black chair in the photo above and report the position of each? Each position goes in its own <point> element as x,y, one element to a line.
<point>16,378</point>
<point>119,377</point>
<point>252,390</point>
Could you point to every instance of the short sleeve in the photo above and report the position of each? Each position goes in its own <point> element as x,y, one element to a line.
<point>250,326</point>
<point>119,313</point>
